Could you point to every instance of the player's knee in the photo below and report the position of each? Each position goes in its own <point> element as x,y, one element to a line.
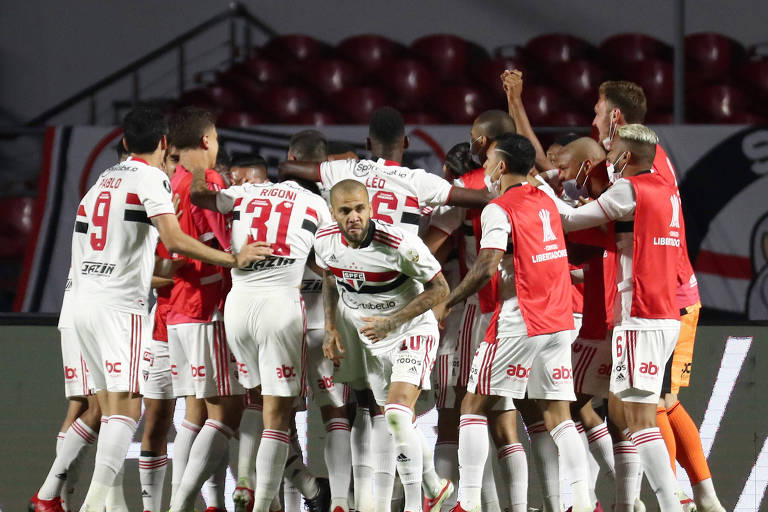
<point>399,418</point>
<point>473,404</point>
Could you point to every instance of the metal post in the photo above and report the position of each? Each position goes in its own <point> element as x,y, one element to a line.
<point>247,40</point>
<point>181,69</point>
<point>232,41</point>
<point>679,62</point>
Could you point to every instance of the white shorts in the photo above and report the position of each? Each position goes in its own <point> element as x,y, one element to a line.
<point>352,370</point>
<point>267,336</point>
<point>75,369</point>
<point>201,362</point>
<point>577,321</point>
<point>157,371</point>
<point>540,365</point>
<point>472,331</point>
<point>639,358</point>
<point>411,362</point>
<point>591,362</point>
<point>444,379</point>
<point>325,392</point>
<point>111,343</point>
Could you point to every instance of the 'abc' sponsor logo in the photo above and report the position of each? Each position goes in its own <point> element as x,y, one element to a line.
<point>70,373</point>
<point>286,372</point>
<point>519,371</point>
<point>562,373</point>
<point>114,368</point>
<point>242,369</point>
<point>325,383</point>
<point>197,371</point>
<point>649,368</point>
<point>174,370</point>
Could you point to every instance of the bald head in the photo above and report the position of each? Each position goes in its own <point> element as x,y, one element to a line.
<point>580,155</point>
<point>348,188</point>
<point>494,123</point>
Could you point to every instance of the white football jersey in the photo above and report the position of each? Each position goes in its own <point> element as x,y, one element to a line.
<point>283,214</point>
<point>380,277</point>
<point>113,244</point>
<point>65,315</point>
<point>312,292</point>
<point>450,218</point>
<point>397,194</point>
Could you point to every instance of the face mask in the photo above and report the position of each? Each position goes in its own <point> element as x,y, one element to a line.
<point>550,174</point>
<point>614,175</point>
<point>572,189</point>
<point>493,186</point>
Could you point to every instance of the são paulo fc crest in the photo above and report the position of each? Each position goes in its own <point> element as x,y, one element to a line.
<point>353,278</point>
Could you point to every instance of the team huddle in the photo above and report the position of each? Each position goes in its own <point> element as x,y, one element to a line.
<point>551,285</point>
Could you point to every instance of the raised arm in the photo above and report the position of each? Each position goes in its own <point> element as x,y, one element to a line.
<point>292,169</point>
<point>512,81</point>
<point>468,198</point>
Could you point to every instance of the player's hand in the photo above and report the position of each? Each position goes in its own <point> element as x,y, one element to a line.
<point>584,200</point>
<point>176,202</point>
<point>332,347</point>
<point>376,328</point>
<point>195,159</point>
<point>349,155</point>
<point>249,253</point>
<point>441,313</point>
<point>512,81</point>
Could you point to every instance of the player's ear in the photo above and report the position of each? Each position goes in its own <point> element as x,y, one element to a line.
<point>406,142</point>
<point>125,145</point>
<point>290,156</point>
<point>204,142</point>
<point>368,143</point>
<point>164,142</point>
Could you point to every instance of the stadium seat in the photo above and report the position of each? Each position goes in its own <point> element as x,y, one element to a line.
<point>286,101</point>
<point>357,103</point>
<point>548,49</point>
<point>411,81</point>
<point>371,53</point>
<point>331,75</point>
<point>461,104</point>
<point>447,54</point>
<point>214,97</point>
<point>629,48</point>
<point>488,73</point>
<point>754,76</point>
<point>238,119</point>
<point>420,118</point>
<point>745,117</point>
<point>656,77</point>
<point>715,104</point>
<point>313,117</point>
<point>262,70</point>
<point>566,118</point>
<point>294,47</point>
<point>660,117</point>
<point>17,215</point>
<point>580,79</point>
<point>710,56</point>
<point>541,101</point>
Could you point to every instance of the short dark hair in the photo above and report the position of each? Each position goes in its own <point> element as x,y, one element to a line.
<point>459,159</point>
<point>627,97</point>
<point>223,162</point>
<point>386,126</point>
<point>249,161</point>
<point>188,125</point>
<point>143,127</point>
<point>120,150</point>
<point>309,145</point>
<point>565,139</point>
<point>517,152</point>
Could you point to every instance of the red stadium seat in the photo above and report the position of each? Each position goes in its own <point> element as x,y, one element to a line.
<point>263,70</point>
<point>447,54</point>
<point>461,104</point>
<point>628,48</point>
<point>294,47</point>
<point>660,117</point>
<point>214,97</point>
<point>541,101</point>
<point>488,74</point>
<point>710,56</point>
<point>550,49</point>
<point>566,118</point>
<point>286,101</point>
<point>17,215</point>
<point>754,76</point>
<point>656,77</point>
<point>420,118</point>
<point>745,117</point>
<point>580,79</point>
<point>370,52</point>
<point>314,117</point>
<point>715,104</point>
<point>357,103</point>
<point>332,75</point>
<point>238,119</point>
<point>411,81</point>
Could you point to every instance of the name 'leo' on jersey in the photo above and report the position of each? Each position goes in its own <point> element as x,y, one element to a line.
<point>283,214</point>
<point>113,244</point>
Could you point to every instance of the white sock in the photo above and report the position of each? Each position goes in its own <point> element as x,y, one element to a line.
<point>705,496</point>
<point>546,463</point>
<point>626,464</point>
<point>73,475</point>
<point>383,451</point>
<point>251,427</point>
<point>489,496</point>
<point>409,458</point>
<point>655,459</point>
<point>514,470</point>
<point>296,471</point>
<point>362,470</point>
<point>115,438</point>
<point>573,458</point>
<point>185,437</point>
<point>216,483</point>
<point>116,494</point>
<point>473,451</point>
<point>291,497</point>
<point>270,461</point>
<point>338,458</point>
<point>447,463</point>
<point>207,452</point>
<point>68,447</point>
<point>431,482</point>
<point>601,448</point>
<point>592,468</point>
<point>151,475</point>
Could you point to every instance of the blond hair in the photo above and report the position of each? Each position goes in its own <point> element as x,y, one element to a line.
<point>638,133</point>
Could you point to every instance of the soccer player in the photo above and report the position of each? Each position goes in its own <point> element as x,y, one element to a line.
<point>248,169</point>
<point>265,315</point>
<point>113,247</point>
<point>372,276</point>
<point>620,103</point>
<point>527,346</point>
